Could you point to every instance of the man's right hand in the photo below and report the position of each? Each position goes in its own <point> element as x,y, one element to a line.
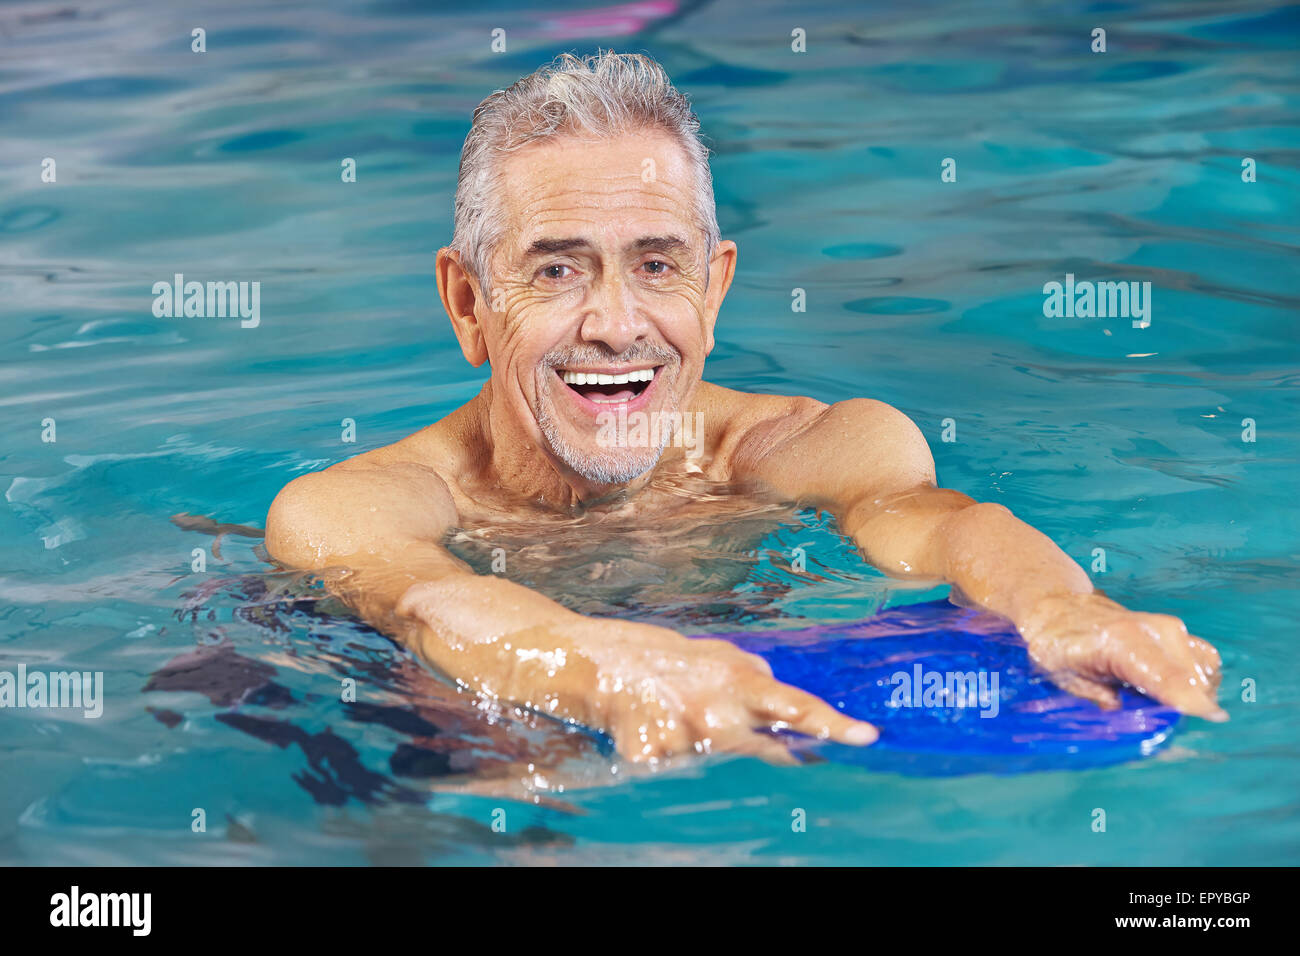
<point>656,692</point>
<point>659,694</point>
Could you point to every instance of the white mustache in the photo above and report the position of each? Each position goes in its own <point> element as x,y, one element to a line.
<point>578,355</point>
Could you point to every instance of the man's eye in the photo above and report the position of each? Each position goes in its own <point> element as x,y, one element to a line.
<point>555,271</point>
<point>657,267</point>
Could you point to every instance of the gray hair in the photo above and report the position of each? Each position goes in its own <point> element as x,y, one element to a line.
<point>601,95</point>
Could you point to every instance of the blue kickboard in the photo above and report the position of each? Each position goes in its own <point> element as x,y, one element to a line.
<point>1030,725</point>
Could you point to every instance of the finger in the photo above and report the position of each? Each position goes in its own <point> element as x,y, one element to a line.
<point>806,714</point>
<point>1208,659</point>
<point>763,746</point>
<point>1199,658</point>
<point>730,651</point>
<point>637,740</point>
<point>1103,695</point>
<point>1151,670</point>
<point>1190,684</point>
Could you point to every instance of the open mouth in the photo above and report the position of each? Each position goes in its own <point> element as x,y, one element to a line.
<point>609,387</point>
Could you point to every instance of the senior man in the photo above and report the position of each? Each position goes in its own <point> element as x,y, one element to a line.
<point>587,270</point>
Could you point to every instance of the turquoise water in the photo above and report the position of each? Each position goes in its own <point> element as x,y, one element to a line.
<point>226,166</point>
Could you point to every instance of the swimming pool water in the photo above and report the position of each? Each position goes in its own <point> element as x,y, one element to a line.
<point>222,685</point>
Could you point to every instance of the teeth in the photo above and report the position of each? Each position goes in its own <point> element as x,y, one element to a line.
<point>600,378</point>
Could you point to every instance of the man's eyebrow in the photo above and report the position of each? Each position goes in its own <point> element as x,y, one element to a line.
<point>546,247</point>
<point>664,243</point>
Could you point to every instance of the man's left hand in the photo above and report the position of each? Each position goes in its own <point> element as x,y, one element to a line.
<point>1089,644</point>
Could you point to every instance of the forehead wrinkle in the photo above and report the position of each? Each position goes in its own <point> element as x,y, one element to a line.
<point>532,194</point>
<point>584,207</point>
<point>597,232</point>
<point>578,200</point>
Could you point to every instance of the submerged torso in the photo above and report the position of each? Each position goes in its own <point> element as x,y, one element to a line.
<point>680,535</point>
<point>691,529</point>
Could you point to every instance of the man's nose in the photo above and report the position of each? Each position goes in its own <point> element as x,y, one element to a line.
<point>613,315</point>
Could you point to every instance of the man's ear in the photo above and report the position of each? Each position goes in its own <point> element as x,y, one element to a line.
<point>460,296</point>
<point>722,268</point>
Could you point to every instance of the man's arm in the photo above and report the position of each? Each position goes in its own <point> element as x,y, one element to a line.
<point>870,466</point>
<point>656,692</point>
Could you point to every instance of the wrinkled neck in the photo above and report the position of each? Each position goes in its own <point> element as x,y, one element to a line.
<point>516,463</point>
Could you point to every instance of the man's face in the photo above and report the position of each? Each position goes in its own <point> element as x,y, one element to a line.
<point>597,308</point>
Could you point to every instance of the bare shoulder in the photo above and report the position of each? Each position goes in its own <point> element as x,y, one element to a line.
<point>743,426</point>
<point>895,443</point>
<point>361,505</point>
<point>758,429</point>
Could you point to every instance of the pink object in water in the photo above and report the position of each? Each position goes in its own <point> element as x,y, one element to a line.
<point>619,20</point>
